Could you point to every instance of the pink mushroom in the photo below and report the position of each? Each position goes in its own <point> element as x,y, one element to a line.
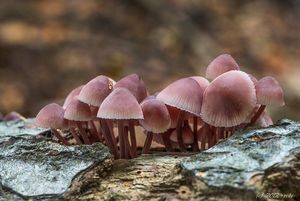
<point>156,120</point>
<point>52,116</point>
<point>121,106</point>
<point>268,92</point>
<point>228,101</point>
<point>186,95</point>
<point>221,64</point>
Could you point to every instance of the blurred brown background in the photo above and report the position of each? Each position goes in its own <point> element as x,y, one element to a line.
<point>49,47</point>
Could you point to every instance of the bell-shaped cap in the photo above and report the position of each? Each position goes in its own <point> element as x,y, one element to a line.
<point>50,116</point>
<point>135,85</point>
<point>184,94</point>
<point>264,120</point>
<point>156,116</point>
<point>221,64</point>
<point>173,112</point>
<point>78,111</point>
<point>96,90</point>
<point>120,104</point>
<point>229,99</point>
<point>71,95</point>
<point>203,82</point>
<point>269,92</point>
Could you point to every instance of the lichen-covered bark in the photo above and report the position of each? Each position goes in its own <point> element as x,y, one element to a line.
<point>257,164</point>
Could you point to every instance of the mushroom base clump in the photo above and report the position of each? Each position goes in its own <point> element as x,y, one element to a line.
<point>191,114</point>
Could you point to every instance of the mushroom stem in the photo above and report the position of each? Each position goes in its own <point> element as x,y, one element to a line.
<point>132,138</point>
<point>166,139</point>
<point>179,130</point>
<point>256,116</point>
<point>204,132</point>
<point>75,136</point>
<point>121,138</point>
<point>108,138</point>
<point>95,132</point>
<point>83,133</point>
<point>148,143</point>
<point>59,136</point>
<point>128,149</point>
<point>112,133</point>
<point>195,134</point>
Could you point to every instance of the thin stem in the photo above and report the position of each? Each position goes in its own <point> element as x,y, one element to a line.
<point>204,135</point>
<point>112,133</point>
<point>256,116</point>
<point>166,139</point>
<point>59,136</point>
<point>95,131</point>
<point>83,133</point>
<point>128,148</point>
<point>132,138</point>
<point>148,143</point>
<point>179,130</point>
<point>121,138</point>
<point>195,134</point>
<point>108,139</point>
<point>75,136</point>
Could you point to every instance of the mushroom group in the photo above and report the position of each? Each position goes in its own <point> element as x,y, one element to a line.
<point>192,113</point>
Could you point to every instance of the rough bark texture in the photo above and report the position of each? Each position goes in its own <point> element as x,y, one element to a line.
<point>257,164</point>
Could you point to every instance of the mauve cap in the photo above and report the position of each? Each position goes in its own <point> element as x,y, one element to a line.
<point>120,104</point>
<point>229,99</point>
<point>221,64</point>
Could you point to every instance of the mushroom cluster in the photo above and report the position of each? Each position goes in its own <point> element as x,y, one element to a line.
<point>192,113</point>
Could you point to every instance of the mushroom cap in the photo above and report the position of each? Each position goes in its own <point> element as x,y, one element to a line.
<point>50,116</point>
<point>71,95</point>
<point>120,104</point>
<point>229,99</point>
<point>78,111</point>
<point>221,64</point>
<point>156,116</point>
<point>203,82</point>
<point>173,112</point>
<point>135,85</point>
<point>264,120</point>
<point>184,94</point>
<point>269,92</point>
<point>96,90</point>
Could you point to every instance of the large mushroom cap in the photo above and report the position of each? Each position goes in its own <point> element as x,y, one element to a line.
<point>120,104</point>
<point>78,111</point>
<point>229,99</point>
<point>156,116</point>
<point>135,85</point>
<point>50,116</point>
<point>96,90</point>
<point>71,95</point>
<point>221,64</point>
<point>184,94</point>
<point>269,92</point>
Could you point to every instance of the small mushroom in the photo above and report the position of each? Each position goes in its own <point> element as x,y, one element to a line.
<point>52,116</point>
<point>13,116</point>
<point>221,64</point>
<point>186,95</point>
<point>121,106</point>
<point>136,86</point>
<point>268,92</point>
<point>93,94</point>
<point>228,101</point>
<point>156,120</point>
<point>79,113</point>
